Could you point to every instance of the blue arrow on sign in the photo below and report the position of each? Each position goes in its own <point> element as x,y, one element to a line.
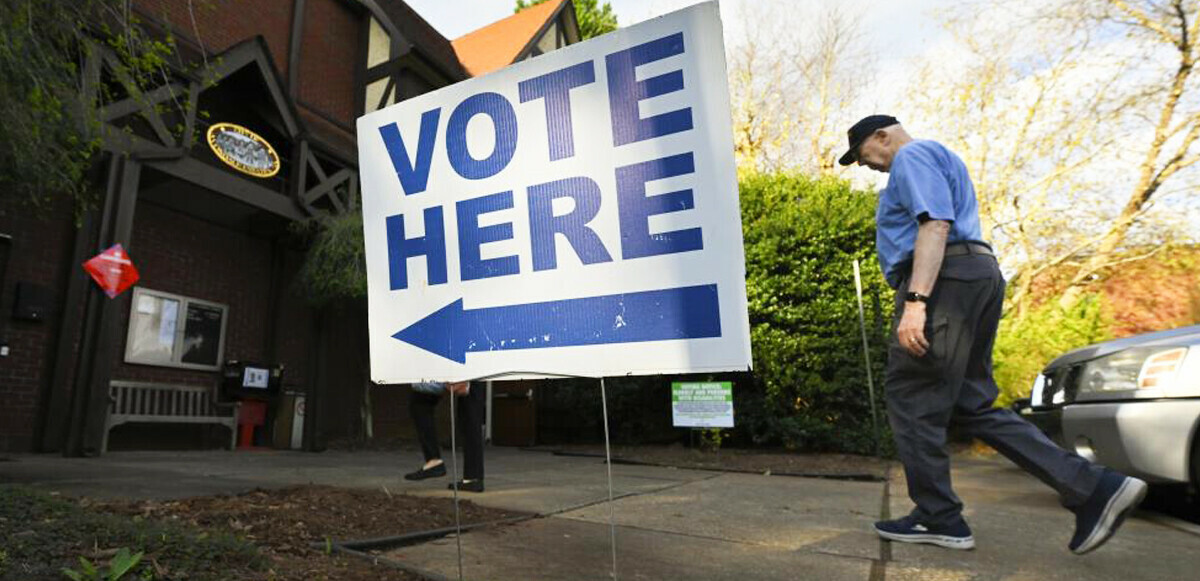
<point>660,315</point>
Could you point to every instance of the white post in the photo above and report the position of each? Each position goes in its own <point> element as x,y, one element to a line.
<point>862,325</point>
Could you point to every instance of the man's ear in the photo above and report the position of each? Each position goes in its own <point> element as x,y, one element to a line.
<point>884,136</point>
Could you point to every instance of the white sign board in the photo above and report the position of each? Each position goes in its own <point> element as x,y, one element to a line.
<point>702,405</point>
<point>575,213</point>
<point>256,377</point>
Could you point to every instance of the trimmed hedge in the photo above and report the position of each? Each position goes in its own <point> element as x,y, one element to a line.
<point>809,389</point>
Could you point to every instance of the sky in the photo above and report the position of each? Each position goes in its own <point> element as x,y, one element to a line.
<point>900,32</point>
<point>904,26</point>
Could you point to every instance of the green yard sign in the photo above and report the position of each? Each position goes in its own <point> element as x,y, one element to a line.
<point>702,404</point>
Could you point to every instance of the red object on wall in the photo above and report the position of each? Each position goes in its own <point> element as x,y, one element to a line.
<point>112,270</point>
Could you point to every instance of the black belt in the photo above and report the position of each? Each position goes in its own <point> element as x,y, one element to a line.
<point>965,248</point>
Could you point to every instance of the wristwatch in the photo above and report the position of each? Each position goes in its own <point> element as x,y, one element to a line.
<point>915,297</point>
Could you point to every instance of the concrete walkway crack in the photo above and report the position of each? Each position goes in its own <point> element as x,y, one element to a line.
<point>879,566</point>
<point>626,495</point>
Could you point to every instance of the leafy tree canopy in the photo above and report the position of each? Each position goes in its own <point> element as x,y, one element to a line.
<point>594,19</point>
<point>51,129</point>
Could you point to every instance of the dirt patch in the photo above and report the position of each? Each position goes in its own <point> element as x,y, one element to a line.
<point>285,534</point>
<point>778,462</point>
<point>285,524</point>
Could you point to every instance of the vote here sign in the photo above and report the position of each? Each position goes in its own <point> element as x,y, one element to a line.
<point>575,213</point>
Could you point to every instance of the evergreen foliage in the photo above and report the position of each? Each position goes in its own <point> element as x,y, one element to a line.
<point>802,236</point>
<point>594,18</point>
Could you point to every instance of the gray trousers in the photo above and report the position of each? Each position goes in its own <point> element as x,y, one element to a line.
<point>952,383</point>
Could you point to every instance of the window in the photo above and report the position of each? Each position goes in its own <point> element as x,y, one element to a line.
<point>175,331</point>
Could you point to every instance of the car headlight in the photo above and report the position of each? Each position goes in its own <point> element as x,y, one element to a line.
<point>1142,372</point>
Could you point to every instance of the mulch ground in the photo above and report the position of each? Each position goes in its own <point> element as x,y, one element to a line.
<point>285,534</point>
<point>288,534</point>
<point>295,527</point>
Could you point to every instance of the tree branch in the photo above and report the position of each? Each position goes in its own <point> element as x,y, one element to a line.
<point>1144,20</point>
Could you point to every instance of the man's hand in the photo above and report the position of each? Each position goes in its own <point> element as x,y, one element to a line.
<point>459,388</point>
<point>911,331</point>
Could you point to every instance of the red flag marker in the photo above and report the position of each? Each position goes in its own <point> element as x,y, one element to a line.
<point>112,270</point>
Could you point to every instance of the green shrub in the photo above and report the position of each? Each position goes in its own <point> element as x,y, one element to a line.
<point>802,236</point>
<point>1025,345</point>
<point>808,389</point>
<point>335,267</point>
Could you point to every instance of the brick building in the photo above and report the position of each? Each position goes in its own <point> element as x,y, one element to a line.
<point>206,213</point>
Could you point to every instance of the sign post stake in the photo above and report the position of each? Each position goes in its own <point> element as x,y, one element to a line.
<point>612,527</point>
<point>862,324</point>
<point>454,479</point>
<point>455,476</point>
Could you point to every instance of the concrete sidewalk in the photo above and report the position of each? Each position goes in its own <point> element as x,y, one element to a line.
<point>670,523</point>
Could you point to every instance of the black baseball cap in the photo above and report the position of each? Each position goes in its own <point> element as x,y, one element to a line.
<point>860,131</point>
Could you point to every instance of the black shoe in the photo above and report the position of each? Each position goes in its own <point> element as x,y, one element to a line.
<point>475,485</point>
<point>423,473</point>
<point>908,530</point>
<point>1097,519</point>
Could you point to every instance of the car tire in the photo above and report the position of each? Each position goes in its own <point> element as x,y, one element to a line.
<point>1194,473</point>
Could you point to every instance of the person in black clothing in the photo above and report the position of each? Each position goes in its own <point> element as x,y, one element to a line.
<point>470,409</point>
<point>949,298</point>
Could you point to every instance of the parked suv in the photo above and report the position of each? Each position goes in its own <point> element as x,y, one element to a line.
<point>1132,404</point>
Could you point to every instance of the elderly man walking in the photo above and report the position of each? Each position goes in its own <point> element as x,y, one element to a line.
<point>949,293</point>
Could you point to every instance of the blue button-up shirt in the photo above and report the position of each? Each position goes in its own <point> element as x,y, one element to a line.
<point>926,181</point>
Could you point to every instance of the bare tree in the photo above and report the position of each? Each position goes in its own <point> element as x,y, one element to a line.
<point>833,64</point>
<point>1044,107</point>
<point>759,85</point>
<point>794,79</point>
<point>1169,102</point>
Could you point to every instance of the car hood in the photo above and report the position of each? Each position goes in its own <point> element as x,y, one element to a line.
<point>1180,336</point>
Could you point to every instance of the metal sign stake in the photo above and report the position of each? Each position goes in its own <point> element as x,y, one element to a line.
<point>862,324</point>
<point>612,527</point>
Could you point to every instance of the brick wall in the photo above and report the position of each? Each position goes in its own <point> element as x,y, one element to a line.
<point>223,23</point>
<point>40,254</point>
<point>294,335</point>
<point>179,254</point>
<point>328,54</point>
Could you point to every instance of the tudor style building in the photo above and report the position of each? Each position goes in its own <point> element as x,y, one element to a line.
<point>203,180</point>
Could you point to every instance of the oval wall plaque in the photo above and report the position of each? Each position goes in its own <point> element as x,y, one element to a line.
<point>243,150</point>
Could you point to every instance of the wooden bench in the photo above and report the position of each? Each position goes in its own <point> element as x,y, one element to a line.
<point>133,401</point>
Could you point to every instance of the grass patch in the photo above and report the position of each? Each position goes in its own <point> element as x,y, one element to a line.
<point>45,534</point>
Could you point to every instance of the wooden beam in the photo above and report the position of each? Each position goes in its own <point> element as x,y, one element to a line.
<point>189,116</point>
<point>101,332</point>
<point>299,179</point>
<point>223,182</point>
<point>385,21</point>
<point>326,186</point>
<point>385,70</point>
<point>315,165</point>
<point>387,93</point>
<point>294,45</point>
<point>62,428</point>
<point>252,52</point>
<point>133,104</point>
<point>352,195</point>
